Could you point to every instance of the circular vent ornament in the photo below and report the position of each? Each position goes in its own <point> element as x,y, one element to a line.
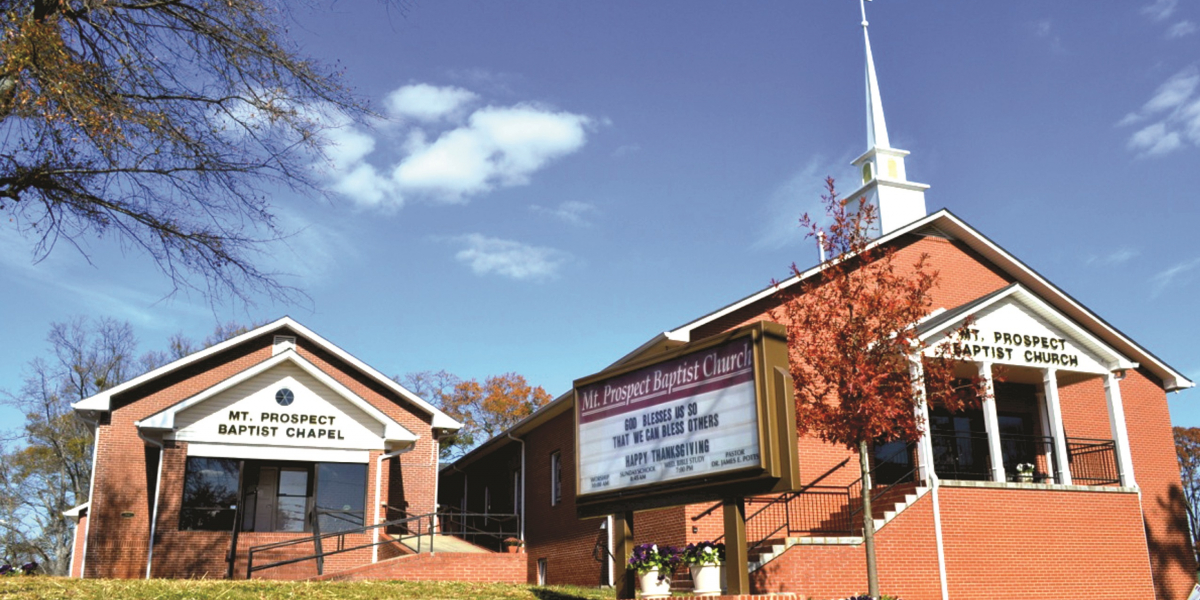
<point>284,397</point>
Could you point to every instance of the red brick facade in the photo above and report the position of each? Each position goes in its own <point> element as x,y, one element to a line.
<point>999,540</point>
<point>116,532</point>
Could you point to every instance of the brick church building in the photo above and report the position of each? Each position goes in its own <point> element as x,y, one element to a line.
<point>1064,483</point>
<point>271,437</point>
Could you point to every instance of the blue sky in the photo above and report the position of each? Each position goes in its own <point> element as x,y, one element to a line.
<point>554,183</point>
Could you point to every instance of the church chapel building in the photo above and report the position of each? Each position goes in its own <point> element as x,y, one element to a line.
<point>267,437</point>
<point>1063,484</point>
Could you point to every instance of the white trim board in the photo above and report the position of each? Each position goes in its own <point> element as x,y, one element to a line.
<point>103,401</point>
<point>249,452</point>
<point>392,431</point>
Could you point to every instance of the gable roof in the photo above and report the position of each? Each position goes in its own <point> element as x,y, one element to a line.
<point>943,322</point>
<point>946,224</point>
<point>392,431</point>
<point>102,402</point>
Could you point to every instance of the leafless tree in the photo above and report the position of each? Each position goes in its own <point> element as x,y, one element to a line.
<point>163,124</point>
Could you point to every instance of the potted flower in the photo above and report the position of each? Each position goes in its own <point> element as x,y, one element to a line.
<point>654,566</point>
<point>513,545</point>
<point>1025,472</point>
<point>705,561</point>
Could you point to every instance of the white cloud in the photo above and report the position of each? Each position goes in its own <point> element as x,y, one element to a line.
<point>626,150</point>
<point>494,146</point>
<point>497,147</point>
<point>801,194</point>
<point>1155,140</point>
<point>573,212</point>
<point>1117,257</point>
<point>1180,29</point>
<point>488,255</point>
<point>1160,9</point>
<point>425,102</point>
<point>1175,113</point>
<point>1042,28</point>
<point>1179,273</point>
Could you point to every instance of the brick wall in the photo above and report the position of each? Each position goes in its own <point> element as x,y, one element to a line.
<point>126,468</point>
<point>77,546</point>
<point>554,533</point>
<point>443,566</point>
<point>1157,473</point>
<point>1013,542</point>
<point>1006,543</point>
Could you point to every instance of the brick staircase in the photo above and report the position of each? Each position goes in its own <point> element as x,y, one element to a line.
<point>884,509</point>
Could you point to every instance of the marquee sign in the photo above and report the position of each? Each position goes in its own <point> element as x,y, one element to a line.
<point>704,416</point>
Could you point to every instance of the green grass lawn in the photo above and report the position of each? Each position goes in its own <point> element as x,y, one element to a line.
<point>23,588</point>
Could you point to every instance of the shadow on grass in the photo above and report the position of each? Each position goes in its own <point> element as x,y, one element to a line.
<point>549,593</point>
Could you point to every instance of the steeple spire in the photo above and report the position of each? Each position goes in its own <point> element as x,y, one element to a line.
<point>899,201</point>
<point>876,125</point>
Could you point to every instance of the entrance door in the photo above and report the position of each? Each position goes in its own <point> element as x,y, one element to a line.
<point>279,498</point>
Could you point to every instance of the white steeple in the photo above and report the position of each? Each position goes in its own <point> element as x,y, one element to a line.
<point>884,182</point>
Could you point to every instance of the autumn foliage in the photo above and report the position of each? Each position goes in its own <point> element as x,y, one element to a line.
<point>852,336</point>
<point>854,349</point>
<point>1187,450</point>
<point>485,409</point>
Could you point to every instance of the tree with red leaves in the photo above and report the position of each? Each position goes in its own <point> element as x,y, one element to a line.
<point>1187,450</point>
<point>853,345</point>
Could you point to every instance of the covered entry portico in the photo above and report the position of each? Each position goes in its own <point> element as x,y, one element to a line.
<point>1032,359</point>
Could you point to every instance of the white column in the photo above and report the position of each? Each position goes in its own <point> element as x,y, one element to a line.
<point>924,449</point>
<point>991,422</point>
<point>1116,419</point>
<point>1047,432</point>
<point>1054,410</point>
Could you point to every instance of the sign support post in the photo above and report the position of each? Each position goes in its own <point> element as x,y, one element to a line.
<point>737,569</point>
<point>623,544</point>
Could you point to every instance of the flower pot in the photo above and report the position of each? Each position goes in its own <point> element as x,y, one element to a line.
<point>706,579</point>
<point>652,587</point>
<point>1025,477</point>
<point>512,549</point>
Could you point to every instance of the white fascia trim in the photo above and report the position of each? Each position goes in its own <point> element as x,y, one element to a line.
<point>441,420</point>
<point>957,228</point>
<point>1115,359</point>
<point>74,513</point>
<point>392,431</point>
<point>666,336</point>
<point>103,400</point>
<point>1172,379</point>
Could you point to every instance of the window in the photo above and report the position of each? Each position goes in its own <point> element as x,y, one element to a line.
<point>210,494</point>
<point>341,496</point>
<point>555,478</point>
<point>284,496</point>
<point>541,575</point>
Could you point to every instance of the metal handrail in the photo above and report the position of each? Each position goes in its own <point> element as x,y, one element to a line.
<point>317,538</point>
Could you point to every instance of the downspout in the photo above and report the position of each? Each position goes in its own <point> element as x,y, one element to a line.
<point>157,493</point>
<point>521,518</point>
<point>91,490</point>
<point>936,482</point>
<point>379,490</point>
<point>937,531</point>
<point>608,550</point>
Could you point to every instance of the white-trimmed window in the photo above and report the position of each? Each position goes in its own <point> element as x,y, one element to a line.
<point>555,478</point>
